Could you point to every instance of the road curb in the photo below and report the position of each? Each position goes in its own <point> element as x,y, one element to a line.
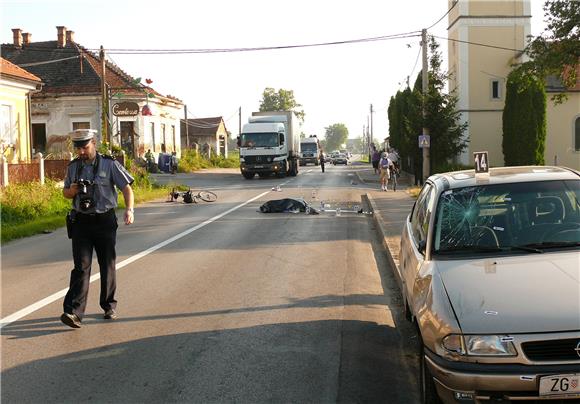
<point>382,233</point>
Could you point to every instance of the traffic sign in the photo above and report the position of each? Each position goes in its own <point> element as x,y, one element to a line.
<point>424,141</point>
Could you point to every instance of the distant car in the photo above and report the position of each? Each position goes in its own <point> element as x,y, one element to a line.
<point>340,158</point>
<point>489,273</point>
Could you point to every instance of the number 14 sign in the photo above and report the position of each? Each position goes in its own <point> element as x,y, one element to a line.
<point>481,162</point>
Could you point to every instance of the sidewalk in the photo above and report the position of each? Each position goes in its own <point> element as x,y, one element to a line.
<point>390,211</point>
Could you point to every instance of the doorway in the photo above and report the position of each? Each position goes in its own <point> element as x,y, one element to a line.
<point>128,138</point>
<point>38,138</point>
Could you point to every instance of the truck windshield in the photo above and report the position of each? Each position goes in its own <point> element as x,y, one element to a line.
<point>259,139</point>
<point>311,147</point>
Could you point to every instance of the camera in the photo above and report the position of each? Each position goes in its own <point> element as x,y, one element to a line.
<point>86,202</point>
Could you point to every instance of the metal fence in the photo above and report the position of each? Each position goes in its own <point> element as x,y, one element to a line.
<point>37,170</point>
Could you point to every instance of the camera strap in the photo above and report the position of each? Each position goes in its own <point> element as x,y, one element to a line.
<point>95,168</point>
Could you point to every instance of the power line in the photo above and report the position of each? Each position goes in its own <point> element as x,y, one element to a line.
<point>478,44</point>
<point>444,15</point>
<point>47,62</point>
<point>260,48</point>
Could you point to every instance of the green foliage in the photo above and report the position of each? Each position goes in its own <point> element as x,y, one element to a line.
<point>281,100</point>
<point>442,119</point>
<point>524,120</point>
<point>335,135</point>
<point>192,161</point>
<point>23,202</point>
<point>557,50</point>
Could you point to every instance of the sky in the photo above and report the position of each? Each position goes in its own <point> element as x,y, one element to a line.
<point>334,84</point>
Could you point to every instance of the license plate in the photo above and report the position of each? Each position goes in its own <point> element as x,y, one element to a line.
<point>258,166</point>
<point>561,385</point>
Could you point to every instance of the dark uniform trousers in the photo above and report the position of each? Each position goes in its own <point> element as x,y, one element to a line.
<point>98,231</point>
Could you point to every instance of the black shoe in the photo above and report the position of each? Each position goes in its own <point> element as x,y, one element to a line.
<point>72,320</point>
<point>110,315</point>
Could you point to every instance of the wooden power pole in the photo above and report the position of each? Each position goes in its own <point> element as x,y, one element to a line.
<point>425,85</point>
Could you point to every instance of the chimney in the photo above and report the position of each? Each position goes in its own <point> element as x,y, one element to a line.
<point>70,36</point>
<point>61,36</point>
<point>17,35</point>
<point>27,37</point>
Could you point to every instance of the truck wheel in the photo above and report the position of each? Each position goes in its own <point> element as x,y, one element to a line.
<point>248,176</point>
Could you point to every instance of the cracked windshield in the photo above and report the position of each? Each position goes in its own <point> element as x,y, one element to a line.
<point>289,202</point>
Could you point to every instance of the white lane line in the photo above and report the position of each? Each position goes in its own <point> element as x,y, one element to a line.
<point>62,293</point>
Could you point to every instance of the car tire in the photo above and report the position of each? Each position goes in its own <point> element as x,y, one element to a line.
<point>426,383</point>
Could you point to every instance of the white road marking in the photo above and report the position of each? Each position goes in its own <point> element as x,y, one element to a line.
<point>60,294</point>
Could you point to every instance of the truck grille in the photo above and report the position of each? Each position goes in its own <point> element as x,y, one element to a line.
<point>258,159</point>
<point>553,350</point>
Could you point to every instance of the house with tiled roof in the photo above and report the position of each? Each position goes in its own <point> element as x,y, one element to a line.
<point>199,132</point>
<point>137,117</point>
<point>16,85</point>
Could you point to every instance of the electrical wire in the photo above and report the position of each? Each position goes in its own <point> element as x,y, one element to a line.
<point>47,62</point>
<point>478,44</point>
<point>444,15</point>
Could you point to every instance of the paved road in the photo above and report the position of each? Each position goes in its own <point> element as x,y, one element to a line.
<point>218,303</point>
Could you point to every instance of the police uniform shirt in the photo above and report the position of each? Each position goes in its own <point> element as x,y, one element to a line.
<point>109,173</point>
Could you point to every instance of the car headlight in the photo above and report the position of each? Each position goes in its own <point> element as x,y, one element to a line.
<point>480,345</point>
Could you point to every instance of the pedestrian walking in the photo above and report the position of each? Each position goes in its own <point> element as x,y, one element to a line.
<point>384,166</point>
<point>375,158</point>
<point>91,182</point>
<point>173,163</point>
<point>321,157</point>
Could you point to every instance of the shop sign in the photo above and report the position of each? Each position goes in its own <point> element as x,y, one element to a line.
<point>126,109</point>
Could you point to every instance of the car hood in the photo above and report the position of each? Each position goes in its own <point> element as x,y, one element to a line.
<point>517,294</point>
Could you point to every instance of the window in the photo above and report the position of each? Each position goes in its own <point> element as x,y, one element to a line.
<point>577,145</point>
<point>8,134</point>
<point>81,125</point>
<point>422,214</point>
<point>496,89</point>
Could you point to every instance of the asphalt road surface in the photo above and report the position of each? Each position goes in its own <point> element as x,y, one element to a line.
<point>217,303</point>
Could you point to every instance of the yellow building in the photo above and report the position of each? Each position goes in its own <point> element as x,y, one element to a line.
<point>16,85</point>
<point>479,76</point>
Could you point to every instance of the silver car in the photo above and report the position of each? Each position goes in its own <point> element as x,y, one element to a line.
<point>490,274</point>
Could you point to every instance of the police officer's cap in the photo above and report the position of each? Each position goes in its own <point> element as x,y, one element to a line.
<point>81,137</point>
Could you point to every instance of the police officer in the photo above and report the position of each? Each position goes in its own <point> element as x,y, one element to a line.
<point>90,182</point>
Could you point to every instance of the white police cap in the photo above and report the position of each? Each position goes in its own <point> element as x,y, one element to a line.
<point>81,137</point>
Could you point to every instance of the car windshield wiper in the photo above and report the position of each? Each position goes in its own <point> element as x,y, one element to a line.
<point>523,248</point>
<point>553,244</point>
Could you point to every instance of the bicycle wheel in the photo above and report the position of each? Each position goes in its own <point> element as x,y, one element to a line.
<point>207,196</point>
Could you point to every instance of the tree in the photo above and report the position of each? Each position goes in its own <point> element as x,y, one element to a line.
<point>442,118</point>
<point>524,120</point>
<point>557,50</point>
<point>335,135</point>
<point>281,100</point>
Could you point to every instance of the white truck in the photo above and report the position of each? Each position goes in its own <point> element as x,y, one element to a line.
<point>309,151</point>
<point>270,144</point>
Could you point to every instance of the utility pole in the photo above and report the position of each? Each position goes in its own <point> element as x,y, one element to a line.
<point>369,138</point>
<point>240,121</point>
<point>372,133</point>
<point>425,85</point>
<point>104,100</point>
<point>186,129</point>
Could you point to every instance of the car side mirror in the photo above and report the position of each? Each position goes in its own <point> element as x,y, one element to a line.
<point>238,141</point>
<point>422,246</point>
<point>281,139</point>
